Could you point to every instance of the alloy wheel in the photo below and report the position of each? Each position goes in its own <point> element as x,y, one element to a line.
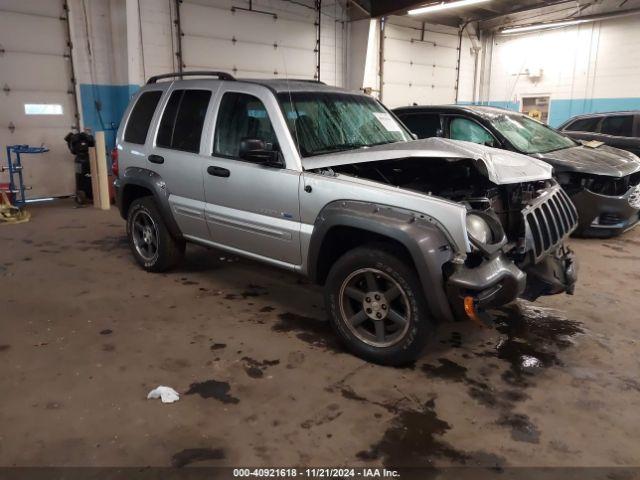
<point>374,307</point>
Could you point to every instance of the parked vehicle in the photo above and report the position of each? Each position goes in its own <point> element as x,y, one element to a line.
<point>617,129</point>
<point>403,234</point>
<point>602,181</point>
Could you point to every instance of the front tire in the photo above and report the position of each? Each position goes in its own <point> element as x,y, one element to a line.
<point>152,245</point>
<point>377,307</point>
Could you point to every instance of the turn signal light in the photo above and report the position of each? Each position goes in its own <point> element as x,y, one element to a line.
<point>470,310</point>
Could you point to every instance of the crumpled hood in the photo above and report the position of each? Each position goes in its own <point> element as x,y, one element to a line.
<point>502,166</point>
<point>603,160</point>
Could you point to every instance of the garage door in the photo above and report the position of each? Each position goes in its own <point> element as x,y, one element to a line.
<point>249,44</point>
<point>418,67</point>
<point>37,104</point>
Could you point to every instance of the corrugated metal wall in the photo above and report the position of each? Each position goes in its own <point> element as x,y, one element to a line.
<point>420,64</point>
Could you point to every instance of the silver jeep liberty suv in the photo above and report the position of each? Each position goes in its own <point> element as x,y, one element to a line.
<point>402,233</point>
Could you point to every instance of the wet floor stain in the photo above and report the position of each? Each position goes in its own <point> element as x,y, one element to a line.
<point>534,337</point>
<point>308,329</point>
<point>106,331</point>
<point>192,455</point>
<point>252,290</point>
<point>414,440</point>
<point>218,346</point>
<point>4,348</point>
<point>447,370</point>
<point>256,369</point>
<point>213,389</point>
<point>347,392</point>
<point>326,415</point>
<point>522,430</point>
<point>109,244</point>
<point>267,309</point>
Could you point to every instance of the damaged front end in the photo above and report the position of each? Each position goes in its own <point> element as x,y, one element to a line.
<point>517,219</point>
<point>607,205</point>
<point>517,252</point>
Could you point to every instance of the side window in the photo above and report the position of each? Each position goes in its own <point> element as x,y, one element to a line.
<point>424,125</point>
<point>620,126</point>
<point>470,131</point>
<point>584,125</point>
<point>140,118</point>
<point>241,117</point>
<point>183,119</point>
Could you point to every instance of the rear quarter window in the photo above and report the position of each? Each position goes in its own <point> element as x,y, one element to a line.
<point>140,118</point>
<point>584,125</point>
<point>619,126</point>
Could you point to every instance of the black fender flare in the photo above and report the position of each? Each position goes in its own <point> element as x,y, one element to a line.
<point>419,234</point>
<point>151,181</point>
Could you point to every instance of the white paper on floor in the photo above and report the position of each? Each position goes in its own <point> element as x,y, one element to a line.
<point>166,394</point>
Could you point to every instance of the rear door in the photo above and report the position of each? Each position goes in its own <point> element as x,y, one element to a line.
<point>37,97</point>
<point>175,153</point>
<point>251,208</point>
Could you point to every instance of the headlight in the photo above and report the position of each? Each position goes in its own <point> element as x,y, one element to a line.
<point>479,230</point>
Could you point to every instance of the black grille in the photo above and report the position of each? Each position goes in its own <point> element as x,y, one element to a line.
<point>548,221</point>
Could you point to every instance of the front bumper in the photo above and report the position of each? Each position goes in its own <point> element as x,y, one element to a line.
<point>556,273</point>
<point>603,215</point>
<point>498,281</point>
<point>495,282</point>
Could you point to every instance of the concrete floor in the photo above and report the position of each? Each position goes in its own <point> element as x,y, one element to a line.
<point>85,334</point>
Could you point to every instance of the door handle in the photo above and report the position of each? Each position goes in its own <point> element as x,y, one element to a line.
<point>155,159</point>
<point>218,171</point>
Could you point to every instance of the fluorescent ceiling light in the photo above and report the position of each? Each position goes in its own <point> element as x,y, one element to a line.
<point>541,26</point>
<point>436,7</point>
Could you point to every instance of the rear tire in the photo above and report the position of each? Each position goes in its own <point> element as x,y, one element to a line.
<point>152,245</point>
<point>377,307</point>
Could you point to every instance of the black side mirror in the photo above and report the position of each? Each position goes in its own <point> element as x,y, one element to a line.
<point>255,150</point>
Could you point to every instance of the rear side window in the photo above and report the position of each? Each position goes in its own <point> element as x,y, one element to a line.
<point>620,126</point>
<point>424,125</point>
<point>584,125</point>
<point>183,119</point>
<point>140,118</point>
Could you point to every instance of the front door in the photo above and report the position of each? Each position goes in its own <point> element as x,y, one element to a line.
<point>251,208</point>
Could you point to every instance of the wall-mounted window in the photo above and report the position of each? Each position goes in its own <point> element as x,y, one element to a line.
<point>42,109</point>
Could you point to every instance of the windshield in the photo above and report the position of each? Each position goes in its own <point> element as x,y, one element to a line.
<point>530,136</point>
<point>325,122</point>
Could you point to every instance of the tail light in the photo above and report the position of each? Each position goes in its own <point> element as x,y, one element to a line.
<point>114,162</point>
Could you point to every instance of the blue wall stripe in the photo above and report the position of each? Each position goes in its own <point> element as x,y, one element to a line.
<point>103,106</point>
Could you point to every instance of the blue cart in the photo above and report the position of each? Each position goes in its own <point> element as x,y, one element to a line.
<point>14,168</point>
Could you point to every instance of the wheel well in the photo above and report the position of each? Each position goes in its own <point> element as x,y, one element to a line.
<point>341,239</point>
<point>130,193</point>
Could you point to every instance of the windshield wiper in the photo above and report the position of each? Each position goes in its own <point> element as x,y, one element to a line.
<point>341,147</point>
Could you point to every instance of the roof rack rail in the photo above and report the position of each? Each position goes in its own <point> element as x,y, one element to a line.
<point>306,80</point>
<point>199,73</point>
